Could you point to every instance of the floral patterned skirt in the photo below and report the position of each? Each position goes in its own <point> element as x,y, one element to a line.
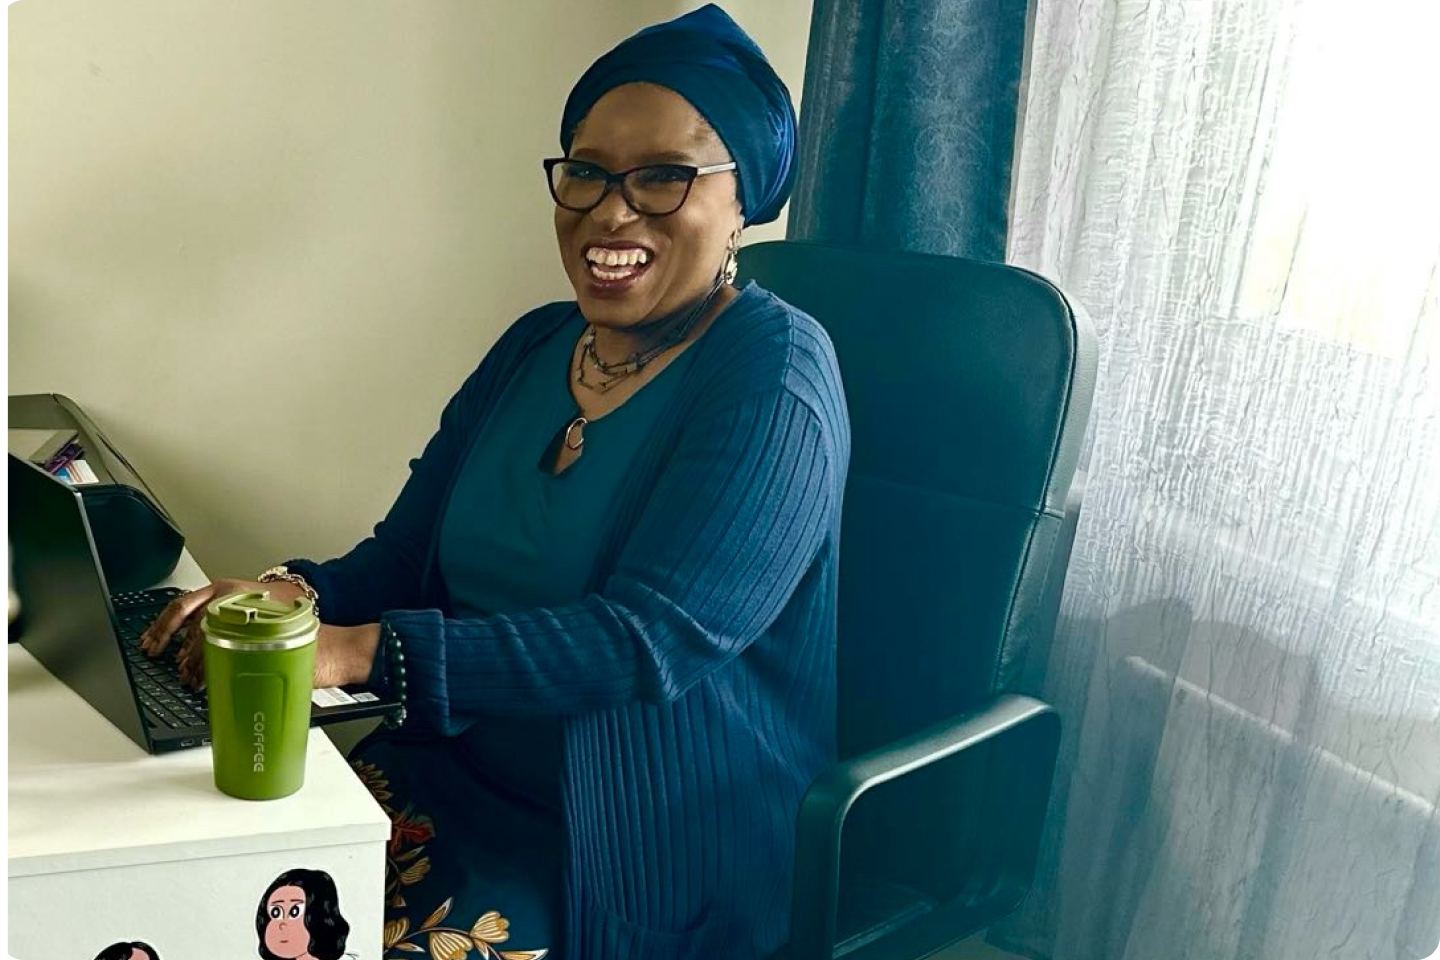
<point>470,872</point>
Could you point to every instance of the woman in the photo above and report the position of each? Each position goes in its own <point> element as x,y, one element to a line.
<point>609,600</point>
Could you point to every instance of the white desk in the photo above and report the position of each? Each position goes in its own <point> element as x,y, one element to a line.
<point>108,843</point>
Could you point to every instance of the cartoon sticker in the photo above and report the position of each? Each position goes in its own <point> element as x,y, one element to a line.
<point>299,918</point>
<point>132,950</point>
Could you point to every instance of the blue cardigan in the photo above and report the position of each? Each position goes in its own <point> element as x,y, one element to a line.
<point>696,681</point>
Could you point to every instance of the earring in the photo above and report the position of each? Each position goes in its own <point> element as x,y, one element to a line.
<point>732,262</point>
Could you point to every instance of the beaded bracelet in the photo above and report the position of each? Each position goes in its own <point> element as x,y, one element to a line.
<point>395,666</point>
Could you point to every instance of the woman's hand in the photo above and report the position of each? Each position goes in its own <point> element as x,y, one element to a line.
<point>345,654</point>
<point>179,622</point>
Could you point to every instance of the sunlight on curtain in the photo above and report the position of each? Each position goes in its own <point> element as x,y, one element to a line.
<point>1246,196</point>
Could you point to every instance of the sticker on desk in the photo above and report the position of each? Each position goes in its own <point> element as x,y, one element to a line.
<point>299,916</point>
<point>331,697</point>
<point>128,950</point>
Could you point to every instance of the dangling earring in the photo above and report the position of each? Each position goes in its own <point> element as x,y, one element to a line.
<point>732,262</point>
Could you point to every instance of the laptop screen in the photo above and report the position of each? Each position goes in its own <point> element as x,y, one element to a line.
<point>64,602</point>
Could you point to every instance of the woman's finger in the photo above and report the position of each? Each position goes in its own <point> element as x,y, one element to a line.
<point>192,673</point>
<point>192,651</point>
<point>171,619</point>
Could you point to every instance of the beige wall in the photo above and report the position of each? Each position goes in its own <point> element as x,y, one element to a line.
<point>262,243</point>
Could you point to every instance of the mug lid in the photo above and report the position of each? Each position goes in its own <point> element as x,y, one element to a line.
<point>255,617</point>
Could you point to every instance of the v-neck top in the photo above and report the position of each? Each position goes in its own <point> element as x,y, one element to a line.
<point>518,538</point>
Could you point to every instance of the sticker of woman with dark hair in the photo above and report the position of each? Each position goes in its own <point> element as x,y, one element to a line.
<point>299,918</point>
<point>133,950</point>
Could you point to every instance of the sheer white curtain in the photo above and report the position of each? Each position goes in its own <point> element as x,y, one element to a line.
<point>1246,196</point>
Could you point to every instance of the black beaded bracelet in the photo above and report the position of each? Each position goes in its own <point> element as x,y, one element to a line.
<point>395,663</point>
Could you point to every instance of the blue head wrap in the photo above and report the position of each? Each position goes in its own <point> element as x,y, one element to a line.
<point>706,58</point>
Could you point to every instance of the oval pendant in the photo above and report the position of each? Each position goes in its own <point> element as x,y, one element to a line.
<point>575,433</point>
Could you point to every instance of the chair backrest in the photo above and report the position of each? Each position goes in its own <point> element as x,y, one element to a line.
<point>969,386</point>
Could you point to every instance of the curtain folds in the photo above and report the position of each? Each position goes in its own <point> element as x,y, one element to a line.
<point>1242,193</point>
<point>908,125</point>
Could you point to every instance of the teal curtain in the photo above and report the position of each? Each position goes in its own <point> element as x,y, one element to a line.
<point>907,124</point>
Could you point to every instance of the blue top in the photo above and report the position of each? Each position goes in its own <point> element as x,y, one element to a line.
<point>696,678</point>
<point>516,536</point>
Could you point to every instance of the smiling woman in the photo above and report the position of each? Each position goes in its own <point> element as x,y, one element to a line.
<point>618,668</point>
<point>650,261</point>
<point>665,213</point>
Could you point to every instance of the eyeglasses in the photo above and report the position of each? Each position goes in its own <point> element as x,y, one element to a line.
<point>655,190</point>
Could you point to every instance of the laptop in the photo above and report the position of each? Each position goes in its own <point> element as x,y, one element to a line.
<point>90,639</point>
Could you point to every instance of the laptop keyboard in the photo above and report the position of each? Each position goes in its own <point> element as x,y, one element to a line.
<point>157,679</point>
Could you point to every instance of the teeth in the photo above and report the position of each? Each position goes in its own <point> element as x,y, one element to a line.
<point>617,258</point>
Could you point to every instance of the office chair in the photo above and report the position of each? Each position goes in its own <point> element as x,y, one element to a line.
<point>969,385</point>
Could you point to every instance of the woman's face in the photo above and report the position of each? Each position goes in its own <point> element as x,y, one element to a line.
<point>632,125</point>
<point>285,933</point>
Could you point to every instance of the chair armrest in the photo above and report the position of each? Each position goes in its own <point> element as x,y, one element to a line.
<point>830,798</point>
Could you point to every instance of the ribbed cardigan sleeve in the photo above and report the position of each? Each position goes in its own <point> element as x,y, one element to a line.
<point>737,515</point>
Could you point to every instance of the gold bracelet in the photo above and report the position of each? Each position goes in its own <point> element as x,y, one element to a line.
<point>283,573</point>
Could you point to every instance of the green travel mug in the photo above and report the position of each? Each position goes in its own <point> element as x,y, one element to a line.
<point>259,669</point>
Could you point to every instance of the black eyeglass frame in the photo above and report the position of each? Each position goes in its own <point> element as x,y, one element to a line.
<point>619,179</point>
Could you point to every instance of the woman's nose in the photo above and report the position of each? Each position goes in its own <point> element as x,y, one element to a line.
<point>613,212</point>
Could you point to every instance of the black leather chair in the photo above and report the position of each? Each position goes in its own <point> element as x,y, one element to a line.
<point>969,386</point>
